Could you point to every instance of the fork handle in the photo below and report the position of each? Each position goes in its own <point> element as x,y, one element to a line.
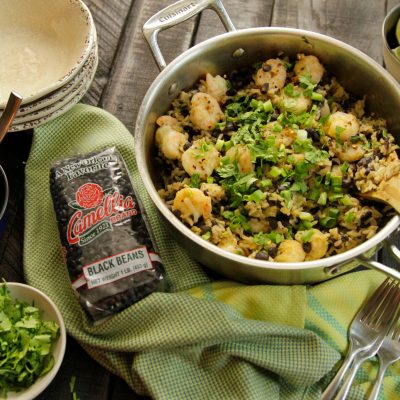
<point>378,382</point>
<point>344,390</point>
<point>332,388</point>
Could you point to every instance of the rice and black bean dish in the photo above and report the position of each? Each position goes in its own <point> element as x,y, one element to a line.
<point>270,161</point>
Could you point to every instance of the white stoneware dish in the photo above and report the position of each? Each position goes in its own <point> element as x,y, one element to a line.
<point>50,311</point>
<point>46,117</point>
<point>43,45</point>
<point>63,98</point>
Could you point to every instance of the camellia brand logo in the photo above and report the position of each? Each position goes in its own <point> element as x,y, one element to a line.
<point>106,208</point>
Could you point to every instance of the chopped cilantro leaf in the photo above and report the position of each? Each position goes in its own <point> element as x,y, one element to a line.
<point>25,343</point>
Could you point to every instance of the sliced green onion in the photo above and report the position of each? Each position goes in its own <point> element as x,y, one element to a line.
<point>322,198</point>
<point>328,222</point>
<point>266,183</point>
<point>220,144</point>
<point>307,235</point>
<point>336,180</point>
<point>275,171</point>
<point>267,106</point>
<point>317,96</point>
<point>349,217</point>
<point>334,212</point>
<point>305,216</point>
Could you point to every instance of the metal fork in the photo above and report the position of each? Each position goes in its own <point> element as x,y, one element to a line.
<point>368,327</point>
<point>392,300</point>
<point>388,353</point>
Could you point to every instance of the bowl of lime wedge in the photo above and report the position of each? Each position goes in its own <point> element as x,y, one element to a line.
<point>391,41</point>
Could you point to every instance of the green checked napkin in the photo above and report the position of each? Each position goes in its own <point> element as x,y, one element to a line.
<point>203,339</point>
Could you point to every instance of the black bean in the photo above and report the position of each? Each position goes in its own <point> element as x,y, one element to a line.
<point>273,222</point>
<point>364,162</point>
<point>265,88</point>
<point>365,217</point>
<point>314,135</point>
<point>272,251</point>
<point>204,229</point>
<point>187,146</point>
<point>262,256</point>
<point>266,68</point>
<point>307,247</point>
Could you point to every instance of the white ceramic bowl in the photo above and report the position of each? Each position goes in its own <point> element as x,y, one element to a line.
<point>43,45</point>
<point>389,42</point>
<point>50,311</point>
<point>42,107</point>
<point>42,118</point>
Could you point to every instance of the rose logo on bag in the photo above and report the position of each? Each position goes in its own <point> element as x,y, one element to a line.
<point>107,207</point>
<point>89,195</point>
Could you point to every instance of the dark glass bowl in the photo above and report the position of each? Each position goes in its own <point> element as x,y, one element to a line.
<point>3,192</point>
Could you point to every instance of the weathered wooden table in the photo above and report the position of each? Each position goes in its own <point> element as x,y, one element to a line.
<point>126,69</point>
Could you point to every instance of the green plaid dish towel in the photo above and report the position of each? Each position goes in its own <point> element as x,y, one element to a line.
<point>204,338</point>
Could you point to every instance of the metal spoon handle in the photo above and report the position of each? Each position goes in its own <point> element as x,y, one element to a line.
<point>6,119</point>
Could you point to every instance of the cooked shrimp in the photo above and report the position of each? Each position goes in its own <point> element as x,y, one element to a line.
<point>205,111</point>
<point>284,136</point>
<point>217,87</point>
<point>170,142</point>
<point>242,155</point>
<point>290,251</point>
<point>309,66</point>
<point>318,245</point>
<point>192,204</point>
<point>341,125</point>
<point>201,158</point>
<point>170,121</point>
<point>296,104</point>
<point>271,74</point>
<point>350,152</point>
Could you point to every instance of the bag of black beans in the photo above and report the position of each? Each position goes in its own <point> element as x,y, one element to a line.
<point>111,257</point>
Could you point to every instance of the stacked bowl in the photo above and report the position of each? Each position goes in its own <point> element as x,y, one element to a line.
<point>49,56</point>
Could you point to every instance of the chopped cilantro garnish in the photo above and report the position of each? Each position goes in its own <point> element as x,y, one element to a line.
<point>256,196</point>
<point>236,220</point>
<point>263,239</point>
<point>25,343</point>
<point>195,181</point>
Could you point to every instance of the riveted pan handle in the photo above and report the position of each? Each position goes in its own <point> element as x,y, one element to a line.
<point>390,245</point>
<point>365,260</point>
<point>175,14</point>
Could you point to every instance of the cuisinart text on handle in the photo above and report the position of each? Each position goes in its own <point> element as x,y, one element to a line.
<point>176,13</point>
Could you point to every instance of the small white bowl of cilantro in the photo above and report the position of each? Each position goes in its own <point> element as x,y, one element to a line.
<point>32,341</point>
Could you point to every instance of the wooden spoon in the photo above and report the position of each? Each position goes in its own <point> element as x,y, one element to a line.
<point>387,192</point>
<point>6,119</point>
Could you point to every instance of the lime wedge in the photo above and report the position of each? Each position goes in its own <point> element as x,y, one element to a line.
<point>396,52</point>
<point>398,31</point>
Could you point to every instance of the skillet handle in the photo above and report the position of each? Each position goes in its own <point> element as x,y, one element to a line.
<point>391,246</point>
<point>175,14</point>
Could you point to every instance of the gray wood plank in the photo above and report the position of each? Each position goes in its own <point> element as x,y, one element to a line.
<point>109,18</point>
<point>134,68</point>
<point>259,14</point>
<point>357,23</point>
